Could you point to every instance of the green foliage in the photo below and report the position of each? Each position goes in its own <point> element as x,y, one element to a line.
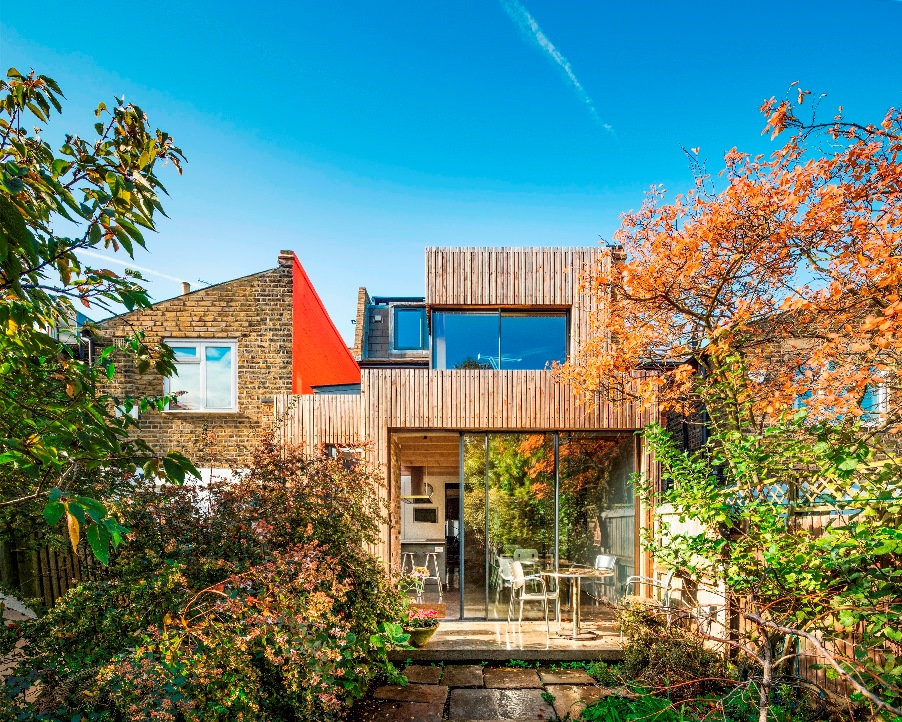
<point>662,656</point>
<point>56,430</point>
<point>735,513</point>
<point>254,598</point>
<point>634,709</point>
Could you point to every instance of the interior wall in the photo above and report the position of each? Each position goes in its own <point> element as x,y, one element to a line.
<point>412,530</point>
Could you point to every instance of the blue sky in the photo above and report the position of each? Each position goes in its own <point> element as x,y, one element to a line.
<point>357,133</point>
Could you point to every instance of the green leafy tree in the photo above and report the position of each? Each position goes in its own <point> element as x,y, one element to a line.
<point>58,433</point>
<point>737,513</point>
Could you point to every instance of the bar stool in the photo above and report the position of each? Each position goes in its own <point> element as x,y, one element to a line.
<point>432,575</point>
<point>408,557</point>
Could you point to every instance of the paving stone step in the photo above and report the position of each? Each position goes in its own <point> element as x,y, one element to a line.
<point>423,674</point>
<point>431,693</point>
<point>499,704</point>
<point>392,711</point>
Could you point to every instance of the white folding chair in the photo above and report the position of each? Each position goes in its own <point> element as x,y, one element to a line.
<point>503,576</point>
<point>526,555</point>
<point>432,574</point>
<point>663,587</point>
<point>604,563</point>
<point>520,593</point>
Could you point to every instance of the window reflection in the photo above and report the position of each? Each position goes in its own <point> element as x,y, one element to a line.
<point>410,329</point>
<point>466,340</point>
<point>219,377</point>
<point>498,339</point>
<point>531,341</point>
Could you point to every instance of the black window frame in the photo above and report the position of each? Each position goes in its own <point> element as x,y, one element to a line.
<point>501,312</point>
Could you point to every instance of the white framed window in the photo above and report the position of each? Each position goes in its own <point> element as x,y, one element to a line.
<point>207,377</point>
<point>874,403</point>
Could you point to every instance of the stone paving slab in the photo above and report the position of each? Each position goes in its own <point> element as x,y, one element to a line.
<point>386,711</point>
<point>463,675</point>
<point>573,699</point>
<point>510,678</point>
<point>565,676</point>
<point>474,704</point>
<point>423,674</point>
<point>499,704</point>
<point>429,693</point>
<point>523,704</point>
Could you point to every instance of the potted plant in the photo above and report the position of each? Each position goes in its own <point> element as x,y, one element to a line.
<point>420,624</point>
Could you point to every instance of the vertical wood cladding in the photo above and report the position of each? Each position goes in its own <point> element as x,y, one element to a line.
<point>256,311</point>
<point>499,277</point>
<point>456,399</point>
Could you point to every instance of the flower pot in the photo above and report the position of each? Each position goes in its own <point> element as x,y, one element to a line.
<point>420,635</point>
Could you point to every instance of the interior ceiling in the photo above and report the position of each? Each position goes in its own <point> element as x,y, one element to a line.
<point>439,453</point>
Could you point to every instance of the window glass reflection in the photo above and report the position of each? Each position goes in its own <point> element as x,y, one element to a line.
<point>466,340</point>
<point>498,340</point>
<point>186,385</point>
<point>409,329</point>
<point>219,377</point>
<point>530,341</point>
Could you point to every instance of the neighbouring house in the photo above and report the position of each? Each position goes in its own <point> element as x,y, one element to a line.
<point>236,344</point>
<point>486,458</point>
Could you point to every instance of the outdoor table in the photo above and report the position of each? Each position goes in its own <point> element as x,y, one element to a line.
<point>577,575</point>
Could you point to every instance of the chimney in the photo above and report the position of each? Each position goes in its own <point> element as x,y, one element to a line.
<point>286,258</point>
<point>186,288</point>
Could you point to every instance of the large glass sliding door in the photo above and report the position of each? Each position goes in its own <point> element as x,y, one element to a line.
<point>596,515</point>
<point>520,510</point>
<point>549,500</point>
<point>475,573</point>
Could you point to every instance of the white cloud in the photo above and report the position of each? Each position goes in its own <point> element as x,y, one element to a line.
<point>126,263</point>
<point>529,27</point>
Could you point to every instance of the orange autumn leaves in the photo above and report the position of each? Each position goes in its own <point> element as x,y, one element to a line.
<point>779,280</point>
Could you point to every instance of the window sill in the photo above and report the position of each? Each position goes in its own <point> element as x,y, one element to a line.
<point>197,412</point>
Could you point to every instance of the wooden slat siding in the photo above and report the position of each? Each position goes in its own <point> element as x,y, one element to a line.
<point>314,420</point>
<point>527,277</point>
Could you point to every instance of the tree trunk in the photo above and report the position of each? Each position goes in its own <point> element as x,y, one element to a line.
<point>766,679</point>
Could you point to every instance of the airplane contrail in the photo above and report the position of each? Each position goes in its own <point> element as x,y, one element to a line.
<point>143,269</point>
<point>527,24</point>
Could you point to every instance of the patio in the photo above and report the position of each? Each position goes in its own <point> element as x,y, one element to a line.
<point>471,641</point>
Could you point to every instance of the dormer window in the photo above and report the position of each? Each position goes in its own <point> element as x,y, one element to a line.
<point>410,332</point>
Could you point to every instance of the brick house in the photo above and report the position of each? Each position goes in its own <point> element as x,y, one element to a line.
<point>237,344</point>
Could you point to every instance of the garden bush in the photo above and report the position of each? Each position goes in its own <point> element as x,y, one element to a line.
<point>252,598</point>
<point>663,656</point>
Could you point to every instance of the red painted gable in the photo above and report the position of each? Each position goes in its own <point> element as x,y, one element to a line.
<point>319,355</point>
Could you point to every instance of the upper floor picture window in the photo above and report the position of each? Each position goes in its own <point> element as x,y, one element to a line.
<point>498,339</point>
<point>207,377</point>
<point>410,329</point>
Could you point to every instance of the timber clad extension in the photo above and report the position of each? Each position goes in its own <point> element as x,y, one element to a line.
<point>404,393</point>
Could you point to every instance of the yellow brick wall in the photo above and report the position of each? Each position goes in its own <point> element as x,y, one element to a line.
<point>256,312</point>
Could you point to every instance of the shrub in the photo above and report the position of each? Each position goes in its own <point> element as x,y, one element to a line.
<point>660,655</point>
<point>253,598</point>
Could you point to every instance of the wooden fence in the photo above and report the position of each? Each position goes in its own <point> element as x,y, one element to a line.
<point>809,663</point>
<point>44,573</point>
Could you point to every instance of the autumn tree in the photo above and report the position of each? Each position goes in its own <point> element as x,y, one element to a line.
<point>777,282</point>
<point>61,441</point>
<point>768,297</point>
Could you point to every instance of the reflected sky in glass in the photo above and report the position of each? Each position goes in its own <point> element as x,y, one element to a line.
<point>532,341</point>
<point>219,376</point>
<point>466,340</point>
<point>409,323</point>
<point>498,340</point>
<point>188,379</point>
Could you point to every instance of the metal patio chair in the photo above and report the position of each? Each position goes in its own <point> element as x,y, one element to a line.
<point>521,594</point>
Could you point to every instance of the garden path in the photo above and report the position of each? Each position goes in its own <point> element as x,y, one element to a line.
<point>476,693</point>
